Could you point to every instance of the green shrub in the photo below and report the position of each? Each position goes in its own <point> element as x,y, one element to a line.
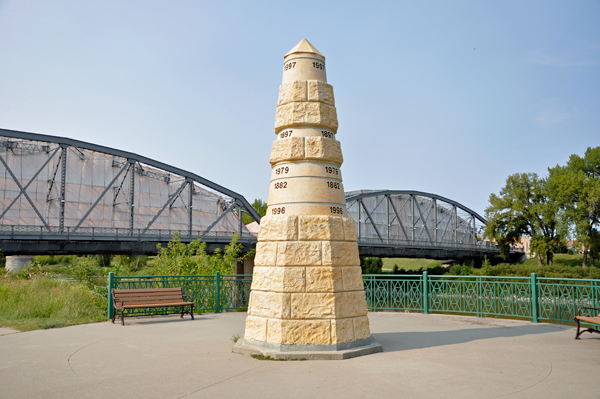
<point>371,265</point>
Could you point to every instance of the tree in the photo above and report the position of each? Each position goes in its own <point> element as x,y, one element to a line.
<point>525,207</point>
<point>179,258</point>
<point>577,186</point>
<point>259,206</point>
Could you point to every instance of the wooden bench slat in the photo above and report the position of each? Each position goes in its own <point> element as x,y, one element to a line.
<point>125,299</point>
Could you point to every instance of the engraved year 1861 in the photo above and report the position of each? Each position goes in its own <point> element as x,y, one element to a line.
<point>318,65</point>
<point>282,171</point>
<point>287,133</point>
<point>289,65</point>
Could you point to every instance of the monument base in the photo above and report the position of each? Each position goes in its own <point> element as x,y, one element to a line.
<point>306,352</point>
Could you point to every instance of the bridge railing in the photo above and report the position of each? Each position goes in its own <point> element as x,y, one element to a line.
<point>483,245</point>
<point>528,298</point>
<point>124,234</point>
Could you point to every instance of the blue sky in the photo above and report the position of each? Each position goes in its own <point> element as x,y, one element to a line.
<point>436,96</point>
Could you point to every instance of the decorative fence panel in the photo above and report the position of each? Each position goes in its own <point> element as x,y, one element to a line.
<point>535,299</point>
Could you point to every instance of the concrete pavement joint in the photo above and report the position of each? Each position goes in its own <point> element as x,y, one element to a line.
<point>526,388</point>
<point>69,359</point>
<point>218,382</point>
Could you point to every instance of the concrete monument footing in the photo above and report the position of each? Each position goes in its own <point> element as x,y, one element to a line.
<point>308,352</point>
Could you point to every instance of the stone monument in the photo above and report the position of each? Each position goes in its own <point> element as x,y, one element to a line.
<point>307,299</point>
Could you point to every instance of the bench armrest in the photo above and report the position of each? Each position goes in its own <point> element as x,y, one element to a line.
<point>188,297</point>
<point>588,308</point>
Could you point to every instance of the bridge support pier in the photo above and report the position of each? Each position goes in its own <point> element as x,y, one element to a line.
<point>16,263</point>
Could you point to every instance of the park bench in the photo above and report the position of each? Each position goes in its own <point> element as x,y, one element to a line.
<point>587,319</point>
<point>142,298</point>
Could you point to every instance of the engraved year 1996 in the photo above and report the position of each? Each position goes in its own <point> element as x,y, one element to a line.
<point>279,211</point>
<point>289,65</point>
<point>336,210</point>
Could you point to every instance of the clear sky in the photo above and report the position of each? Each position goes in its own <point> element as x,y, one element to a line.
<point>446,97</point>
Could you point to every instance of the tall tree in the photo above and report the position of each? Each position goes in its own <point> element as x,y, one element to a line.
<point>259,206</point>
<point>525,207</point>
<point>577,185</point>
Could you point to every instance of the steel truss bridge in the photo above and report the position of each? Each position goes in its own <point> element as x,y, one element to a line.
<point>413,224</point>
<point>59,195</point>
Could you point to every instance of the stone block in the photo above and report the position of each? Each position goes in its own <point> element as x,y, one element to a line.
<point>256,328</point>
<point>349,304</point>
<point>305,189</point>
<point>320,228</point>
<point>278,228</point>
<point>297,253</point>
<point>292,92</point>
<point>352,277</point>
<point>333,120</point>
<point>299,332</point>
<point>279,279</point>
<point>323,149</point>
<point>306,113</point>
<point>361,327</point>
<point>287,150</point>
<point>313,306</point>
<point>349,229</point>
<point>324,279</point>
<point>340,254</point>
<point>266,254</point>
<point>342,331</point>
<point>283,115</point>
<point>270,304</point>
<point>320,91</point>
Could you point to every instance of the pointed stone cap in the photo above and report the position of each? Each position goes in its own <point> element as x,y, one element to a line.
<point>304,49</point>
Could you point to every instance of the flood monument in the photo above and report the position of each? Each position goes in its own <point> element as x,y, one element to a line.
<point>307,298</point>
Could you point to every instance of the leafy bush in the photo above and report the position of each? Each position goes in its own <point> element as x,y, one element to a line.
<point>179,258</point>
<point>371,265</point>
<point>55,259</point>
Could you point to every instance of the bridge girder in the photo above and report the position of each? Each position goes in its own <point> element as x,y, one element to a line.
<point>56,189</point>
<point>403,223</point>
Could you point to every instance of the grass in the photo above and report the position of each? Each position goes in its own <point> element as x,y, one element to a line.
<point>42,302</point>
<point>409,264</point>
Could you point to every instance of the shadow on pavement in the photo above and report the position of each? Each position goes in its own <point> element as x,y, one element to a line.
<point>401,341</point>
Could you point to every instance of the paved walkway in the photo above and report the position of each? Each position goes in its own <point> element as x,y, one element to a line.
<point>425,356</point>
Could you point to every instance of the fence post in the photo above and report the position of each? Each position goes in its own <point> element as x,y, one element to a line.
<point>425,293</point>
<point>218,292</point>
<point>534,298</point>
<point>111,282</point>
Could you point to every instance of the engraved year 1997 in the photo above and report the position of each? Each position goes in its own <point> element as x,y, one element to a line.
<point>289,65</point>
<point>287,133</point>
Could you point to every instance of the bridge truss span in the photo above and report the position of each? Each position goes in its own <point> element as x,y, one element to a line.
<point>62,195</point>
<point>416,224</point>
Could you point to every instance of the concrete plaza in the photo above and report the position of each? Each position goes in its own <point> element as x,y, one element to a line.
<point>424,356</point>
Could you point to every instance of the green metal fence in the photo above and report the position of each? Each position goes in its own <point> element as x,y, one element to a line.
<point>214,293</point>
<point>530,298</point>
